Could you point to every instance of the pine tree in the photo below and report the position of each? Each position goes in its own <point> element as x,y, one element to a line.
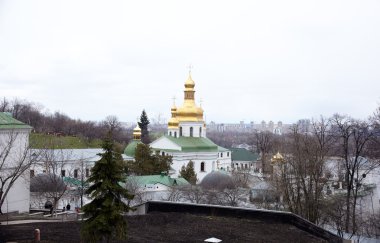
<point>188,173</point>
<point>148,163</point>
<point>143,124</point>
<point>104,211</point>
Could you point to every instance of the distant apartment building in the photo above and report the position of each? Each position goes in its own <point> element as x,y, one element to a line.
<point>276,128</point>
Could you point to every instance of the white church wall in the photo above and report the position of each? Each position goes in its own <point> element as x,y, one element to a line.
<point>209,158</point>
<point>18,196</point>
<point>186,128</point>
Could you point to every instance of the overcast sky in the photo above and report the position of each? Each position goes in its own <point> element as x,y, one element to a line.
<point>253,60</point>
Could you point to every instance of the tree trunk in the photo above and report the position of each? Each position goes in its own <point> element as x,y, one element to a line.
<point>349,186</point>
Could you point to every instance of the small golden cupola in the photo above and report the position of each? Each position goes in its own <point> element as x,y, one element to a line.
<point>173,122</point>
<point>277,158</point>
<point>189,111</point>
<point>137,133</point>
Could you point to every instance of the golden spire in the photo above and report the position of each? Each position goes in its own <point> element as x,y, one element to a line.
<point>189,111</point>
<point>189,88</point>
<point>137,133</point>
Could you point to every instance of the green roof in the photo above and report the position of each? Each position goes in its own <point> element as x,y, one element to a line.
<point>241,154</point>
<point>221,149</point>
<point>8,122</point>
<point>130,150</point>
<point>74,182</point>
<point>161,179</point>
<point>192,144</point>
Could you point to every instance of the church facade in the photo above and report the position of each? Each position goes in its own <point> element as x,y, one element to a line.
<point>186,139</point>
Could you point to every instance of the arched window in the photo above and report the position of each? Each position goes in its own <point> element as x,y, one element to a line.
<point>191,131</point>
<point>175,134</point>
<point>200,132</point>
<point>180,131</point>
<point>202,166</point>
<point>228,154</point>
<point>170,133</point>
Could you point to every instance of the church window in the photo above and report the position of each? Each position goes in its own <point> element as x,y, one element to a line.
<point>202,166</point>
<point>175,134</point>
<point>170,133</point>
<point>180,131</point>
<point>200,132</point>
<point>191,131</point>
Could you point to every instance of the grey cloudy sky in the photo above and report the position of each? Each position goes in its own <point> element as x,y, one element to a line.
<point>253,60</point>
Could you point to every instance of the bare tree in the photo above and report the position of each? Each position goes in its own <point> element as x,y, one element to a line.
<point>51,184</point>
<point>353,138</point>
<point>194,194</point>
<point>4,105</point>
<point>264,144</point>
<point>240,178</point>
<point>134,188</point>
<point>174,195</point>
<point>15,160</point>
<point>302,174</point>
<point>334,213</point>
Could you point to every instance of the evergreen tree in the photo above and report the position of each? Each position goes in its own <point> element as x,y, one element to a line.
<point>104,211</point>
<point>188,173</point>
<point>148,163</point>
<point>143,124</point>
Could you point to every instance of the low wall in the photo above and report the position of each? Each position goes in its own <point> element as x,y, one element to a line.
<point>264,215</point>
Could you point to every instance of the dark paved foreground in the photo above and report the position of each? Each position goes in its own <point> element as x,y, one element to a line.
<point>169,227</point>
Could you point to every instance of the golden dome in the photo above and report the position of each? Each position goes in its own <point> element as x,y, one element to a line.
<point>137,133</point>
<point>189,82</point>
<point>277,158</point>
<point>173,121</point>
<point>189,111</point>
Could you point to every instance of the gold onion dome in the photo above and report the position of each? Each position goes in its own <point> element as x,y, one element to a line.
<point>137,132</point>
<point>189,111</point>
<point>189,82</point>
<point>277,158</point>
<point>173,121</point>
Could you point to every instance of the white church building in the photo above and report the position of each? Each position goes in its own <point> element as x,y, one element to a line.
<point>14,164</point>
<point>186,139</point>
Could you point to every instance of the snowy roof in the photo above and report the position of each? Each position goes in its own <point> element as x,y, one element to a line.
<point>160,179</point>
<point>71,154</point>
<point>262,186</point>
